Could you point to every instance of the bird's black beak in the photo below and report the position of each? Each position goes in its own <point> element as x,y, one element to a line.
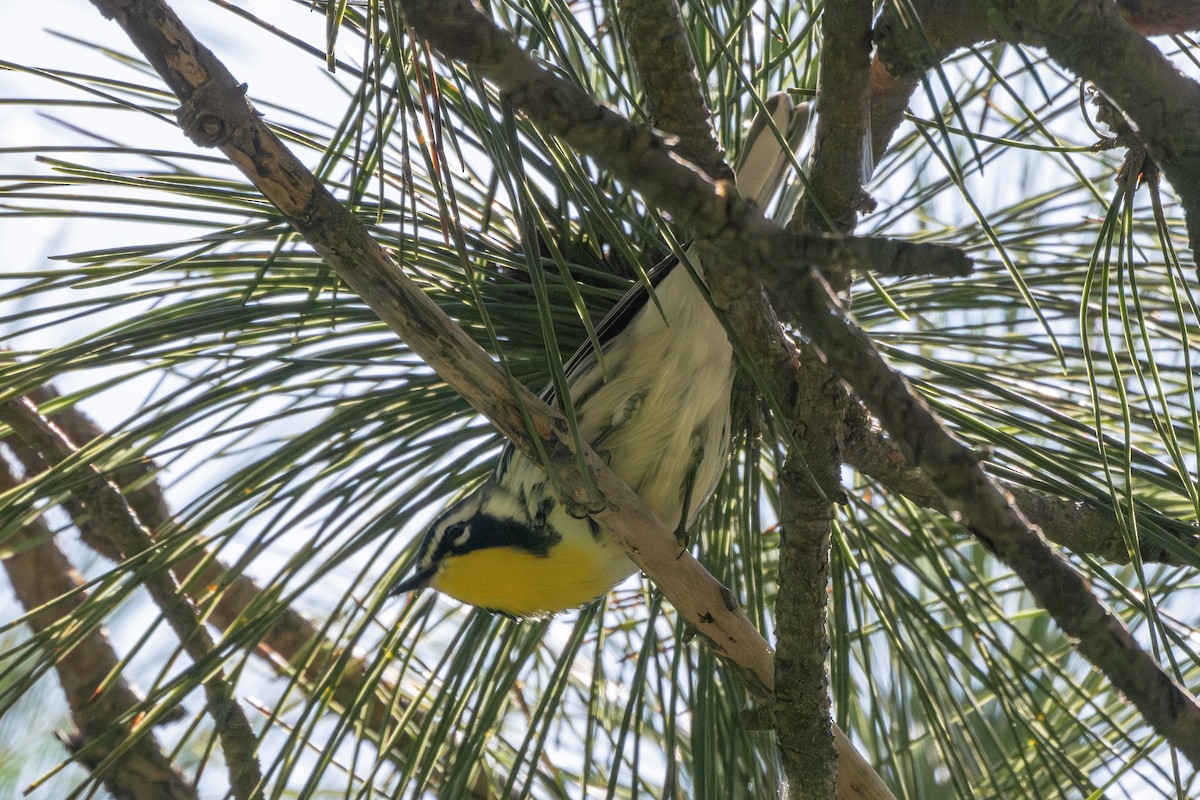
<point>418,580</point>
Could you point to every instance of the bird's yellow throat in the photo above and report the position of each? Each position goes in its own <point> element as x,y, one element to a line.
<point>571,574</point>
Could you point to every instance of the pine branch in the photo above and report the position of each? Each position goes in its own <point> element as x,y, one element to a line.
<point>836,195</point>
<point>1072,524</point>
<point>659,45</point>
<point>713,211</point>
<point>1161,101</point>
<point>290,644</point>
<point>216,113</point>
<point>810,483</point>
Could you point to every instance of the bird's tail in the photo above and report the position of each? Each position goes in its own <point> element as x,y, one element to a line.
<point>764,161</point>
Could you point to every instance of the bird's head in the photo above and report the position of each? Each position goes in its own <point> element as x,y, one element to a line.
<point>486,550</point>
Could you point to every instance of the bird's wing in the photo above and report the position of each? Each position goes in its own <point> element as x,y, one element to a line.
<point>615,321</point>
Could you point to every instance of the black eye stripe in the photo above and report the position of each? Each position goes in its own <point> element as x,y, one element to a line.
<point>446,544</point>
<point>482,531</point>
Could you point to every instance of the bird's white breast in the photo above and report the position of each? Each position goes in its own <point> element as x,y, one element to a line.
<point>677,371</point>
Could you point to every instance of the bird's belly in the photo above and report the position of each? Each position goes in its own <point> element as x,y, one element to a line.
<point>671,386</point>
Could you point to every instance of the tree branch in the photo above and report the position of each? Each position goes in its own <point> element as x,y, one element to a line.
<point>290,645</point>
<point>984,509</point>
<point>659,46</point>
<point>712,211</point>
<point>111,739</point>
<point>836,195</point>
<point>907,48</point>
<point>1160,17</point>
<point>215,113</point>
<point>1162,102</point>
<point>1070,523</point>
<point>810,482</point>
<point>800,704</point>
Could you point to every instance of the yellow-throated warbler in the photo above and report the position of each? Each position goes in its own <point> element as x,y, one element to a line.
<point>658,410</point>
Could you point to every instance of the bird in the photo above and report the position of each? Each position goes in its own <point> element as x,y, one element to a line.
<point>655,405</point>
